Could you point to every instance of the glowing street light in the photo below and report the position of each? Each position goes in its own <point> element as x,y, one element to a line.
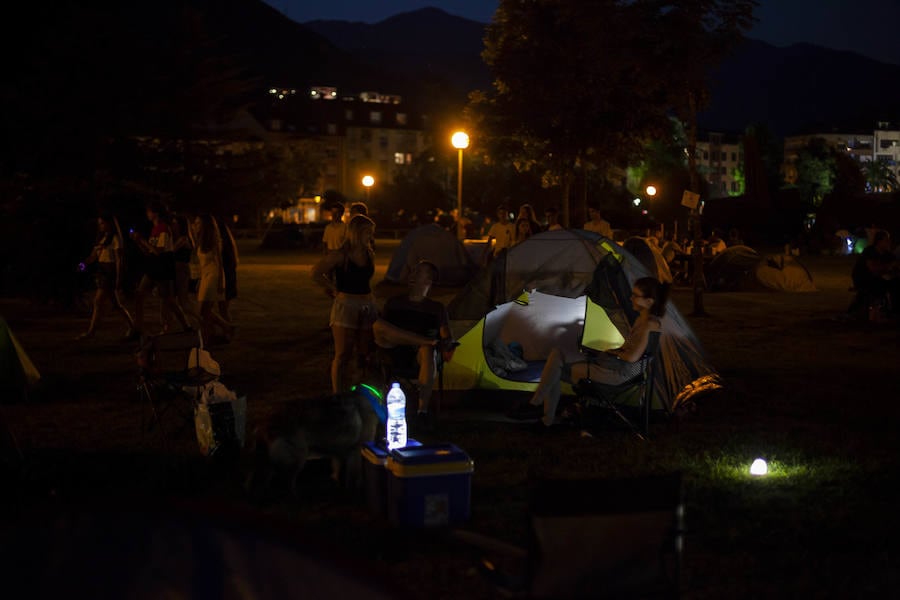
<point>460,141</point>
<point>368,181</point>
<point>651,190</point>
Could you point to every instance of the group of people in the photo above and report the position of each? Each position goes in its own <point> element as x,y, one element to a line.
<point>413,328</point>
<point>189,260</point>
<point>505,233</point>
<point>411,322</point>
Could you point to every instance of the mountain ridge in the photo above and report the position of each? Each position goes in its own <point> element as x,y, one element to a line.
<point>789,88</point>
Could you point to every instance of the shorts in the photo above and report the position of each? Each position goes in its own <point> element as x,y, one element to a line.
<point>353,311</point>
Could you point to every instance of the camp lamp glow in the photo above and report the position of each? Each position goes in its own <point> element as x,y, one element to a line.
<point>759,468</point>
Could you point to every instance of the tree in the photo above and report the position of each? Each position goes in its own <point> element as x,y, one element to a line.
<point>572,87</point>
<point>879,176</point>
<point>694,36</point>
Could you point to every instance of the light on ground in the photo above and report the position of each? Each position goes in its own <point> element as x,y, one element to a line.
<point>759,467</point>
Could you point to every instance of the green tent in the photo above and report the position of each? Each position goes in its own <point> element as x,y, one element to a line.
<point>17,372</point>
<point>565,289</point>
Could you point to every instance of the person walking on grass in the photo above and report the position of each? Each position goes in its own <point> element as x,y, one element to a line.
<point>346,275</point>
<point>108,255</point>
<point>159,269</point>
<point>208,242</point>
<point>183,251</point>
<point>230,261</point>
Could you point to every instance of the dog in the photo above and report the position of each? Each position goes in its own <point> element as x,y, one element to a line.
<point>333,426</point>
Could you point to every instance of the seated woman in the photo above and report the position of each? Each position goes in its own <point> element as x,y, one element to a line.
<point>875,274</point>
<point>613,366</point>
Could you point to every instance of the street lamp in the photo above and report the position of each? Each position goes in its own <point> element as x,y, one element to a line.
<point>651,190</point>
<point>460,141</point>
<point>368,181</point>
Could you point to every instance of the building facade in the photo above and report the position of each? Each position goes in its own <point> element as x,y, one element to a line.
<point>720,159</point>
<point>350,135</point>
<point>855,144</point>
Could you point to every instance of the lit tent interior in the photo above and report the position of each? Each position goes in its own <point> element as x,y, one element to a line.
<point>568,288</point>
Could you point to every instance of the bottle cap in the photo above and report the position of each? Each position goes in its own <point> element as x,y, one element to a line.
<point>395,385</point>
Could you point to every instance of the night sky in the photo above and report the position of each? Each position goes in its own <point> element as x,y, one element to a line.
<point>863,26</point>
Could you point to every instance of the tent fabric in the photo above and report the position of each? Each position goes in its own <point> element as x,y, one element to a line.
<point>17,372</point>
<point>784,273</point>
<point>437,245</point>
<point>743,268</point>
<point>567,289</point>
<point>650,256</point>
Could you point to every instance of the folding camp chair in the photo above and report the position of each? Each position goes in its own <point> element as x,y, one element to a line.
<point>400,364</point>
<point>171,376</point>
<point>592,538</point>
<point>614,398</point>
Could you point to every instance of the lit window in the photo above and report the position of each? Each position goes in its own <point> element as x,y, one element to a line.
<point>398,158</point>
<point>375,116</point>
<point>408,158</point>
<point>401,118</point>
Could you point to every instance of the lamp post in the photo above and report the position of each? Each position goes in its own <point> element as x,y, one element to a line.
<point>460,141</point>
<point>368,181</point>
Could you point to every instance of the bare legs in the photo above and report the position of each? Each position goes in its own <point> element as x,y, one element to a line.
<point>210,318</point>
<point>101,298</point>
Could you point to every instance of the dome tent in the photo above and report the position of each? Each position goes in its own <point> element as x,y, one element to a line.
<point>436,245</point>
<point>564,289</point>
<point>743,268</point>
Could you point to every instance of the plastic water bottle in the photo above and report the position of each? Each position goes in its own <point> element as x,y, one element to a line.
<point>396,417</point>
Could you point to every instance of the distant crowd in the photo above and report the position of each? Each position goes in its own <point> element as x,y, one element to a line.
<point>190,260</point>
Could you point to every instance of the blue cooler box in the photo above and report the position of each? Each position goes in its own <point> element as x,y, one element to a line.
<point>429,486</point>
<point>374,474</point>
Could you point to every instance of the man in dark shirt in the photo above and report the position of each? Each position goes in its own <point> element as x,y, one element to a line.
<point>413,328</point>
<point>875,273</point>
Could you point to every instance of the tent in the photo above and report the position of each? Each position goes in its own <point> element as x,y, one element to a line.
<point>17,372</point>
<point>565,289</point>
<point>743,268</point>
<point>784,273</point>
<point>437,245</point>
<point>650,256</point>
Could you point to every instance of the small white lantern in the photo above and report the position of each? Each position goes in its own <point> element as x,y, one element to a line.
<point>759,467</point>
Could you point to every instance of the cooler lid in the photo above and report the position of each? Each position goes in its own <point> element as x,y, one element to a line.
<point>429,460</point>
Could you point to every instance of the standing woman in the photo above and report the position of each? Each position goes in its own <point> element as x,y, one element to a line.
<point>211,289</point>
<point>183,250</point>
<point>108,254</point>
<point>230,262</point>
<point>346,276</point>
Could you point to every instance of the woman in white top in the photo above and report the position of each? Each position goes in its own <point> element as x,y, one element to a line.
<point>108,257</point>
<point>211,289</point>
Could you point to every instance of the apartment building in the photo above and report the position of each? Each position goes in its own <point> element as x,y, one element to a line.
<point>351,135</point>
<point>855,144</point>
<point>719,157</point>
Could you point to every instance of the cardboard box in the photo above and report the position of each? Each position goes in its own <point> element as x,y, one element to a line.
<point>429,486</point>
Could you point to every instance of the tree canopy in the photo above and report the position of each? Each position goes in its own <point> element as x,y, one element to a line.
<point>582,83</point>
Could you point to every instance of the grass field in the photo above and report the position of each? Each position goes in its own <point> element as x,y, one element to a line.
<point>816,396</point>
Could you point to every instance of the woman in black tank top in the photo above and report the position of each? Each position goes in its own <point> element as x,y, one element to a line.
<point>346,276</point>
